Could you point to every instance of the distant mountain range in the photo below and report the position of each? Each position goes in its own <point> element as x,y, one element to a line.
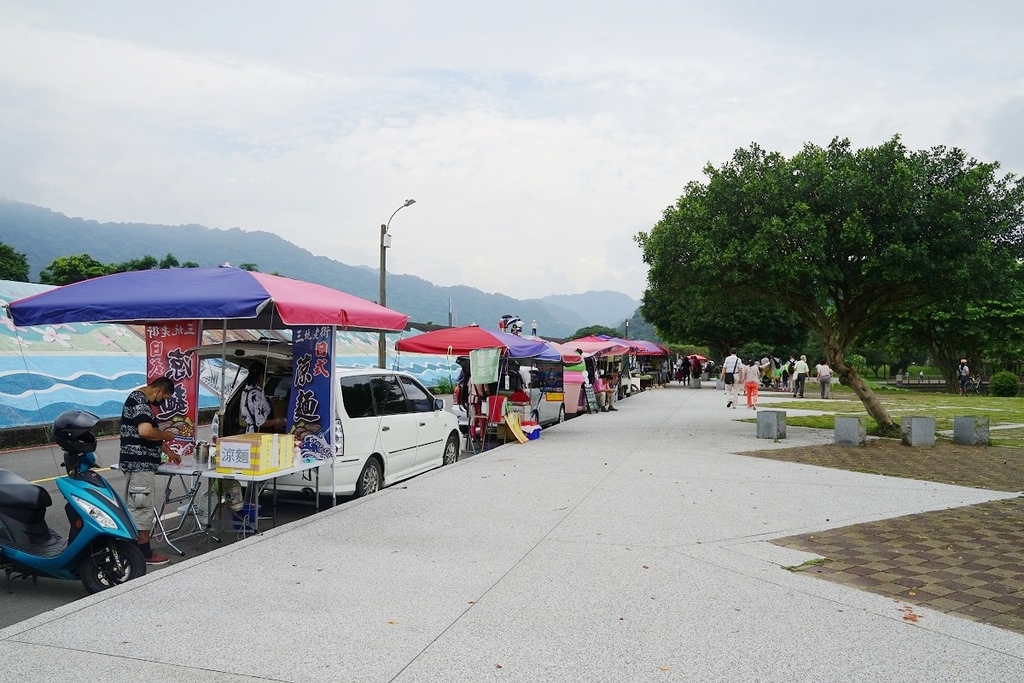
<point>44,235</point>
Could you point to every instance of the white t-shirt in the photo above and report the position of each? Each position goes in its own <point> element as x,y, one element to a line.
<point>732,363</point>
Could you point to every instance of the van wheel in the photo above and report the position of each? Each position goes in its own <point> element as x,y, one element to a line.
<point>451,451</point>
<point>561,413</point>
<point>370,479</point>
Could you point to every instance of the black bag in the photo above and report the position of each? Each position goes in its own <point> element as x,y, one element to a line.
<point>730,378</point>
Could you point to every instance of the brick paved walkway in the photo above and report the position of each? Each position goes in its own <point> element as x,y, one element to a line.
<point>966,561</point>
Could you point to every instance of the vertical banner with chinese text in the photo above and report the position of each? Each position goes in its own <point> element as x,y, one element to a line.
<point>167,355</point>
<point>309,404</point>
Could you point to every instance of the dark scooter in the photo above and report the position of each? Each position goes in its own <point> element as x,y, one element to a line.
<point>101,549</point>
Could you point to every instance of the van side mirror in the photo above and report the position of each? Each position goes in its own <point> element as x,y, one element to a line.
<point>438,404</point>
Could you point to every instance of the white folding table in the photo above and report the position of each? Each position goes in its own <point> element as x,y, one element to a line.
<point>255,484</point>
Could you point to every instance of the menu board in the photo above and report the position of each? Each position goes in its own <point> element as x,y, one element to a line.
<point>591,398</point>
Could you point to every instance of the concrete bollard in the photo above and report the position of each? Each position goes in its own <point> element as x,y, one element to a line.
<point>970,431</point>
<point>695,382</point>
<point>918,431</point>
<point>851,431</point>
<point>771,424</point>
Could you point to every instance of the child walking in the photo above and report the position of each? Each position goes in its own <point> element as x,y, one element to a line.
<point>751,380</point>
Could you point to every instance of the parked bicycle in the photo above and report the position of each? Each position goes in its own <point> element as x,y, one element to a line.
<point>976,387</point>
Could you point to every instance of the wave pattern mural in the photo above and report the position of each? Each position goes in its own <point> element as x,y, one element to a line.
<point>93,366</point>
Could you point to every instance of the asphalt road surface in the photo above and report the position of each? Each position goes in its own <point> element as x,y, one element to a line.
<point>42,466</point>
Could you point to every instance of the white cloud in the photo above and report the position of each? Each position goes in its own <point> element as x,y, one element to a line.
<point>535,149</point>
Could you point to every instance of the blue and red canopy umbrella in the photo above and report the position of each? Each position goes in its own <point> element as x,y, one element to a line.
<point>460,341</point>
<point>233,297</point>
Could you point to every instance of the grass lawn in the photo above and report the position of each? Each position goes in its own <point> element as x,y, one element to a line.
<point>1005,415</point>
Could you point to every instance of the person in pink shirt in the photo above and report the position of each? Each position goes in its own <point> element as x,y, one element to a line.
<point>603,393</point>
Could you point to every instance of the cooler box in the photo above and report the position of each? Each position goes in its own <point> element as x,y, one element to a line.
<point>532,430</point>
<point>255,453</point>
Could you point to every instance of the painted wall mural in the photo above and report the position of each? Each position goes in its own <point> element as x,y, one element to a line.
<point>93,366</point>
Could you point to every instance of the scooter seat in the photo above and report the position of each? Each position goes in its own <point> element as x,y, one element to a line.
<point>18,493</point>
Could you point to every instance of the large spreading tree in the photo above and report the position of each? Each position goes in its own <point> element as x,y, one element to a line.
<point>843,238</point>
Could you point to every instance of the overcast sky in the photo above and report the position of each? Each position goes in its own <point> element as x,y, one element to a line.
<point>537,137</point>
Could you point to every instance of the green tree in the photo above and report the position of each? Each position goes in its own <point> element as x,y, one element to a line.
<point>841,237</point>
<point>249,266</point>
<point>13,264</point>
<point>68,269</point>
<point>724,321</point>
<point>594,330</point>
<point>169,261</point>
<point>637,328</point>
<point>147,262</point>
<point>985,331</point>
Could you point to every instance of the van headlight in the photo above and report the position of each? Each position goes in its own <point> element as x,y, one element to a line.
<point>96,513</point>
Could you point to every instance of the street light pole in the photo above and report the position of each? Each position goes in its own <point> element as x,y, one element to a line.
<point>385,242</point>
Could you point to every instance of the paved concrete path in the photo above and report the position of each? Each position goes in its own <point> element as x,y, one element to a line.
<point>628,546</point>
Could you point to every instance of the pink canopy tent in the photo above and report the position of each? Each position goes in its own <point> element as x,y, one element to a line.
<point>618,346</point>
<point>569,354</point>
<point>592,346</point>
<point>649,348</point>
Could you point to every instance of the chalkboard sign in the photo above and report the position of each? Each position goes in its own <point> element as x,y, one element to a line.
<point>591,398</point>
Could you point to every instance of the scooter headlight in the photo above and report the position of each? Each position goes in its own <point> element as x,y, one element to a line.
<point>97,514</point>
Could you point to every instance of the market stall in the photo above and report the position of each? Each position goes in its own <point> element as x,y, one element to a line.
<point>176,304</point>
<point>527,377</point>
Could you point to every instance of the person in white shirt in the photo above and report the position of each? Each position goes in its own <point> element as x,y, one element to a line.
<point>255,411</point>
<point>963,373</point>
<point>730,375</point>
<point>824,379</point>
<point>800,370</point>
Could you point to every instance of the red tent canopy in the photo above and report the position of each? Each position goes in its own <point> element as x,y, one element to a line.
<point>460,341</point>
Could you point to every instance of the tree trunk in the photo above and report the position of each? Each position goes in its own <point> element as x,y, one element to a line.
<point>849,377</point>
<point>946,359</point>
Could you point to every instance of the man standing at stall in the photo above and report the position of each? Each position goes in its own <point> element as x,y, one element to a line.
<point>142,444</point>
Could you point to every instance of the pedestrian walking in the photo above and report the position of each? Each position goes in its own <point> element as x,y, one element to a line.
<point>751,380</point>
<point>824,379</point>
<point>730,376</point>
<point>800,369</point>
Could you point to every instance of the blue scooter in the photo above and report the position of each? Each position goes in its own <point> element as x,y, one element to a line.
<point>101,549</point>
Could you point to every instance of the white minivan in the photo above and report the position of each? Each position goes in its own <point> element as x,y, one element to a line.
<point>388,426</point>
